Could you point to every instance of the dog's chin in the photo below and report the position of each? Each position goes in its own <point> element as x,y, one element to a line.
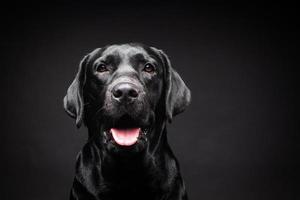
<point>126,134</point>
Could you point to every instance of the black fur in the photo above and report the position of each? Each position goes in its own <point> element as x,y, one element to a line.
<point>147,169</point>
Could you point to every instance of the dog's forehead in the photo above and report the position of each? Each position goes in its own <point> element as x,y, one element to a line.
<point>125,51</point>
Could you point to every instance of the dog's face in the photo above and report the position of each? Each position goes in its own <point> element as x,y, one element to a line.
<point>123,92</point>
<point>128,83</point>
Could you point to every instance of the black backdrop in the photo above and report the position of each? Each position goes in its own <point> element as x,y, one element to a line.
<point>233,142</point>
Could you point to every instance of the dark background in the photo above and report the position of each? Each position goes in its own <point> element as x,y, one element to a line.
<point>234,142</point>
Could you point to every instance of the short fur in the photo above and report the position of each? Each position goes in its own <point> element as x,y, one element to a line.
<point>147,170</point>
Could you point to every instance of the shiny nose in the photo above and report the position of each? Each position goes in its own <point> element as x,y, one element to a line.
<point>125,91</point>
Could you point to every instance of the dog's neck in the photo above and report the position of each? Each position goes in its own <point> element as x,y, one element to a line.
<point>137,174</point>
<point>142,162</point>
<point>134,173</point>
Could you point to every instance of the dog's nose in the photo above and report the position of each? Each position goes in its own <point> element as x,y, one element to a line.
<point>125,91</point>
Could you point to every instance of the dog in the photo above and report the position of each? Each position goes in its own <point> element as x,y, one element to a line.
<point>125,94</point>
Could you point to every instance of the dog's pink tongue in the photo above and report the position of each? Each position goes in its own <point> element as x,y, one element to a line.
<point>125,137</point>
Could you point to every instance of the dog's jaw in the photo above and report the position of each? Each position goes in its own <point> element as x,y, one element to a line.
<point>114,140</point>
<point>125,137</point>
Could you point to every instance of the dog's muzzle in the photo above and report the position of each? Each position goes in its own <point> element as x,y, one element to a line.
<point>126,109</point>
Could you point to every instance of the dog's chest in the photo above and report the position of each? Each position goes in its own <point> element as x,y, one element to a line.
<point>139,185</point>
<point>132,193</point>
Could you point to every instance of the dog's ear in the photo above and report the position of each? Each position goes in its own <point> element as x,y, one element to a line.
<point>73,101</point>
<point>177,94</point>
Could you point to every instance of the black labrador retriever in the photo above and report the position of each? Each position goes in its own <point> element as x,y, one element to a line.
<point>125,94</point>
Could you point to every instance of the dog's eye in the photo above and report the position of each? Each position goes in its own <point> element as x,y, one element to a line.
<point>102,68</point>
<point>149,68</point>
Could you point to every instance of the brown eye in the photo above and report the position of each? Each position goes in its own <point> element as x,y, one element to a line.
<point>149,68</point>
<point>101,68</point>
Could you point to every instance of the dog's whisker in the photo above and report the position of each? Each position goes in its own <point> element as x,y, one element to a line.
<point>90,95</point>
<point>98,111</point>
<point>88,103</point>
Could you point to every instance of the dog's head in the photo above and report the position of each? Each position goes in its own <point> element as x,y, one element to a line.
<point>123,92</point>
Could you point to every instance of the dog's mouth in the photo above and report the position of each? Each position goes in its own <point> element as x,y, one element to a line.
<point>127,136</point>
<point>126,132</point>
